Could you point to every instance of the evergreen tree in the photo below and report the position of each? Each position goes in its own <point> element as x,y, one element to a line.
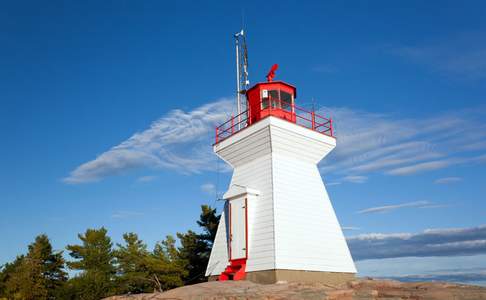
<point>38,275</point>
<point>142,271</point>
<point>196,248</point>
<point>193,250</point>
<point>95,259</point>
<point>169,269</point>
<point>209,221</point>
<point>6,273</point>
<point>132,264</point>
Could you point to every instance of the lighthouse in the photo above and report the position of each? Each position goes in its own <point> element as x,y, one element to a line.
<point>278,223</point>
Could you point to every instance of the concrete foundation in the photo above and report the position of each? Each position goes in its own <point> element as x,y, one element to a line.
<point>273,276</point>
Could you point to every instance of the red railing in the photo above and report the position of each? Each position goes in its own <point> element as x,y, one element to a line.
<point>298,115</point>
<point>232,126</point>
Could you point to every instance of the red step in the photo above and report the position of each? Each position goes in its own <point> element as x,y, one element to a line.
<point>235,270</point>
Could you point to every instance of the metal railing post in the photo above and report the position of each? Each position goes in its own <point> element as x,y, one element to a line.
<point>330,126</point>
<point>217,134</point>
<point>232,124</point>
<point>313,114</point>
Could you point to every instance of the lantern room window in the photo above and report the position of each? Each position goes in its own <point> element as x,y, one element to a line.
<point>286,100</point>
<point>277,98</point>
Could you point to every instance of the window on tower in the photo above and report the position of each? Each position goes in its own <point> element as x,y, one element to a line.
<point>277,99</point>
<point>274,99</point>
<point>270,97</point>
<point>286,100</point>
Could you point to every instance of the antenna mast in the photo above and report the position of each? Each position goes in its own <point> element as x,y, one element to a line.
<point>242,82</point>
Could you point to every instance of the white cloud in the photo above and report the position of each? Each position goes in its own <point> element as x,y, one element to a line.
<point>180,141</point>
<point>389,208</point>
<point>380,143</point>
<point>434,242</point>
<point>208,188</point>
<point>448,180</point>
<point>333,183</point>
<point>366,143</point>
<point>355,179</point>
<point>421,167</point>
<point>350,228</point>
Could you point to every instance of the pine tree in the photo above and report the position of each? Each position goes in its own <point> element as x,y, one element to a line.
<point>141,271</point>
<point>209,221</point>
<point>132,264</point>
<point>39,274</point>
<point>169,269</point>
<point>6,273</point>
<point>196,248</point>
<point>96,261</point>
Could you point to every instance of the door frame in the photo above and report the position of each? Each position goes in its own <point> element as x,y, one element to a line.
<point>231,230</point>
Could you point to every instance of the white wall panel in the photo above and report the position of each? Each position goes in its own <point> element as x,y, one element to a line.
<point>218,259</point>
<point>307,233</point>
<point>291,223</point>
<point>257,174</point>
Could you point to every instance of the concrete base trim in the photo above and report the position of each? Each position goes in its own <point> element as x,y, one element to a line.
<point>273,276</point>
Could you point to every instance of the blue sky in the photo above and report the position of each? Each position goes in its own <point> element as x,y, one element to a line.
<point>108,109</point>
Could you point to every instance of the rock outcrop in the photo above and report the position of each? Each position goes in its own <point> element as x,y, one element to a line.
<point>363,289</point>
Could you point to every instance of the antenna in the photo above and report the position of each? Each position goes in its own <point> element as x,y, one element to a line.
<point>242,82</point>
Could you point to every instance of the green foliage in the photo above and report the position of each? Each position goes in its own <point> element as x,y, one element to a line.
<point>133,269</point>
<point>89,286</point>
<point>196,248</point>
<point>193,250</point>
<point>38,275</point>
<point>8,271</point>
<point>209,221</point>
<point>142,271</point>
<point>166,264</point>
<point>103,271</point>
<point>95,254</point>
<point>95,259</point>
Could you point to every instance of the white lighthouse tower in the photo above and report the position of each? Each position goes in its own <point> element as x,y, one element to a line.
<point>278,223</point>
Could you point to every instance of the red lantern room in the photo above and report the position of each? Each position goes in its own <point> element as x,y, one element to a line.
<point>275,98</point>
<point>271,98</point>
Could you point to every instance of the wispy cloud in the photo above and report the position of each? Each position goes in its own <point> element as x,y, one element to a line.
<point>367,143</point>
<point>126,214</point>
<point>350,228</point>
<point>389,208</point>
<point>432,242</point>
<point>448,180</point>
<point>355,179</point>
<point>208,188</point>
<point>461,56</point>
<point>179,141</point>
<point>381,143</point>
<point>332,183</point>
<point>421,167</point>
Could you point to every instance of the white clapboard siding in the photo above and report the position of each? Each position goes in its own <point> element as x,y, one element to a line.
<point>256,174</point>
<point>307,233</point>
<point>291,223</point>
<point>219,253</point>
